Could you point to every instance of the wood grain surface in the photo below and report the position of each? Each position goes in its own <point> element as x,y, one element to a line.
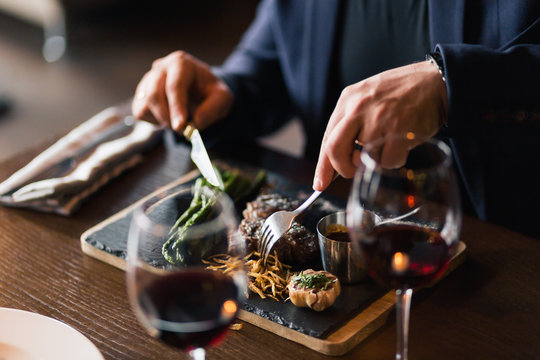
<point>487,308</point>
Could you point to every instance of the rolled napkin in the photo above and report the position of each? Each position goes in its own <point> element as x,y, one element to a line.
<point>81,162</point>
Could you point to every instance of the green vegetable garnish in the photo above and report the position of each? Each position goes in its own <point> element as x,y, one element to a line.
<point>312,281</point>
<point>236,186</point>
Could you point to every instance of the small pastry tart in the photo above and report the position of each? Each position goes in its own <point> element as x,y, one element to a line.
<point>317,290</point>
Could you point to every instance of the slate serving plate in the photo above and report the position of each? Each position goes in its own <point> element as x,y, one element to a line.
<point>111,237</point>
<point>360,309</point>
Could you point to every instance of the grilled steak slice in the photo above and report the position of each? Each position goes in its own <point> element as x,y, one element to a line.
<point>298,246</point>
<point>250,230</point>
<point>266,204</point>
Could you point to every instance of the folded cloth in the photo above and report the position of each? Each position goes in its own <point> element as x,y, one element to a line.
<point>81,162</point>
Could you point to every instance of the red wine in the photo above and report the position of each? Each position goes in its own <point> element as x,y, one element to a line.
<point>405,256</point>
<point>190,309</point>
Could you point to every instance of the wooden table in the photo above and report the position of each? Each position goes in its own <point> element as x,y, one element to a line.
<point>488,308</point>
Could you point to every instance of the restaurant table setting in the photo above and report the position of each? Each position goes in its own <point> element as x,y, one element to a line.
<point>359,310</point>
<point>98,176</point>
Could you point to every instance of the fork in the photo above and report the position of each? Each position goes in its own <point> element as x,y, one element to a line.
<point>277,224</point>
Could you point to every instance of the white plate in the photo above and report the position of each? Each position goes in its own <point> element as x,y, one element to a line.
<point>29,336</point>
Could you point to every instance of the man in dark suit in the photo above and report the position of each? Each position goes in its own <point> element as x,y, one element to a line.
<point>360,63</point>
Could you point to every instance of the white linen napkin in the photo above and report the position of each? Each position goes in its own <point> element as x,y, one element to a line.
<point>81,162</point>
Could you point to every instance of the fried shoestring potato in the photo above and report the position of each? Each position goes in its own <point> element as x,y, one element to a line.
<point>270,281</point>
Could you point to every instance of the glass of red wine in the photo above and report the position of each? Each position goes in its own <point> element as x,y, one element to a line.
<point>174,295</point>
<point>414,251</point>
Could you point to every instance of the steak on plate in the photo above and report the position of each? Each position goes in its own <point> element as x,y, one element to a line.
<point>298,246</point>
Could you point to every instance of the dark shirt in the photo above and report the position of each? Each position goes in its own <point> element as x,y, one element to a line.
<point>378,35</point>
<point>373,36</point>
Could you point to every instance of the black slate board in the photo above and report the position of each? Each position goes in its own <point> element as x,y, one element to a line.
<point>109,238</point>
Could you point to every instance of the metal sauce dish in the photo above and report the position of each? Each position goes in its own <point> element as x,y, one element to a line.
<point>337,256</point>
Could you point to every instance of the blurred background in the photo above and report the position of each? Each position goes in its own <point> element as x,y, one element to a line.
<point>62,61</point>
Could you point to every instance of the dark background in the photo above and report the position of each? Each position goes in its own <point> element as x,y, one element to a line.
<point>111,44</point>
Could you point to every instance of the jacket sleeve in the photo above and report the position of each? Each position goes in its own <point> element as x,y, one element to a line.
<point>254,74</point>
<point>495,87</point>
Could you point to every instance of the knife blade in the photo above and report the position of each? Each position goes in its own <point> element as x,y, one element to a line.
<point>200,157</point>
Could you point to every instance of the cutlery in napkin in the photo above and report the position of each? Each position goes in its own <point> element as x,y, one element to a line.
<point>81,162</point>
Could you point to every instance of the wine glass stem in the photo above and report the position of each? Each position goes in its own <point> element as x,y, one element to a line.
<point>403,306</point>
<point>198,354</point>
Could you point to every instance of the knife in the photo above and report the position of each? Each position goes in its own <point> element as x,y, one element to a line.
<point>200,156</point>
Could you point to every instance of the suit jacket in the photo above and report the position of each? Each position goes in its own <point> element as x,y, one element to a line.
<point>491,52</point>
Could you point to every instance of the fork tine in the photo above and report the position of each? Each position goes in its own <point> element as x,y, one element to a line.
<point>267,235</point>
<point>267,247</point>
<point>264,245</point>
<point>278,223</point>
<point>263,237</point>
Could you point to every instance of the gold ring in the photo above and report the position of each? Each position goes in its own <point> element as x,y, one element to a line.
<point>358,144</point>
<point>140,95</point>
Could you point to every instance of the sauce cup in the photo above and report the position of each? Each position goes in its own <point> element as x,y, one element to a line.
<point>337,256</point>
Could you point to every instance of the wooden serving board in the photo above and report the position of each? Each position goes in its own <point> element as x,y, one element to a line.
<point>352,332</point>
<point>359,311</point>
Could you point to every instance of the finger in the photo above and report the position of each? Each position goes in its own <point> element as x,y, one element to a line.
<point>340,145</point>
<point>394,153</point>
<point>140,105</point>
<point>371,137</point>
<point>323,173</point>
<point>149,103</point>
<point>156,99</point>
<point>178,82</point>
<point>214,107</point>
<point>358,146</point>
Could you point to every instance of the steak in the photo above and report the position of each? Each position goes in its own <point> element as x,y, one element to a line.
<point>267,204</point>
<point>298,246</point>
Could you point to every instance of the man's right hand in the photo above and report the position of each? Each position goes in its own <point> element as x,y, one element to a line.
<point>178,86</point>
<point>410,98</point>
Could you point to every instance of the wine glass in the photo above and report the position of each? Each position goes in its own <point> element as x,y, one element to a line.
<point>172,292</point>
<point>413,252</point>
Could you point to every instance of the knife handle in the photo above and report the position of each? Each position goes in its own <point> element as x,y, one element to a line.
<point>188,131</point>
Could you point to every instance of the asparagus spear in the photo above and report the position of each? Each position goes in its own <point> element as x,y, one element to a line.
<point>236,186</point>
<point>194,206</point>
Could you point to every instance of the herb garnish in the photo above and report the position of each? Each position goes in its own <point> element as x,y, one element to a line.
<point>311,281</point>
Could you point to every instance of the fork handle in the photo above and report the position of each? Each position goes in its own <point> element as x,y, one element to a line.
<point>308,202</point>
<point>312,198</point>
